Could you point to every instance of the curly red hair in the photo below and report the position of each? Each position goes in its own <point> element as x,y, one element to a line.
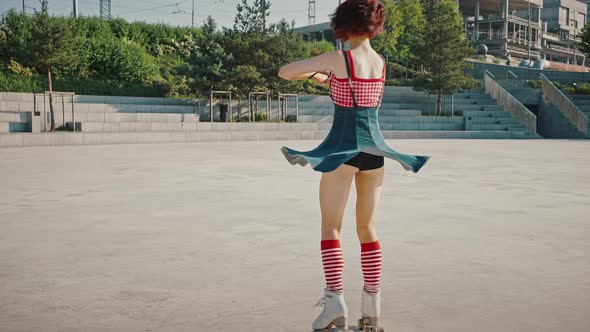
<point>358,17</point>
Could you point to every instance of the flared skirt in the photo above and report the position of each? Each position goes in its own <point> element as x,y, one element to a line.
<point>352,131</point>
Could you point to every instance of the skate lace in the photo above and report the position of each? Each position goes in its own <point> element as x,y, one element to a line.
<point>321,302</point>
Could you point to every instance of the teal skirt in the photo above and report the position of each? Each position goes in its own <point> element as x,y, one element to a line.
<point>352,131</point>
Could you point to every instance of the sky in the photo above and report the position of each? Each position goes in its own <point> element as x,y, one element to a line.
<point>178,12</point>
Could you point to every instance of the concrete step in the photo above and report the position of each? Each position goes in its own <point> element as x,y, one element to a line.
<point>315,104</point>
<point>12,106</point>
<point>424,99</point>
<point>316,111</point>
<point>480,92</point>
<point>132,108</point>
<point>409,126</point>
<point>421,126</point>
<point>86,99</point>
<point>494,120</point>
<point>391,93</point>
<point>320,115</point>
<point>315,118</point>
<point>189,126</point>
<point>257,126</point>
<point>492,107</point>
<point>496,127</point>
<point>136,126</point>
<point>311,107</point>
<point>86,138</point>
<point>498,114</point>
<point>388,134</point>
<point>422,119</point>
<point>134,117</point>
<point>585,98</point>
<point>400,106</point>
<point>458,101</point>
<point>399,112</point>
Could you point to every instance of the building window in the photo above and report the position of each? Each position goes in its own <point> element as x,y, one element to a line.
<point>565,12</point>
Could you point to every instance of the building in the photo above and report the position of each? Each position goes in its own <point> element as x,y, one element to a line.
<point>315,32</point>
<point>515,29</point>
<point>523,29</point>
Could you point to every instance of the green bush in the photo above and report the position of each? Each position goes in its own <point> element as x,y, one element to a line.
<point>398,82</point>
<point>535,84</point>
<point>583,89</point>
<point>18,83</point>
<point>568,89</point>
<point>121,60</point>
<point>260,116</point>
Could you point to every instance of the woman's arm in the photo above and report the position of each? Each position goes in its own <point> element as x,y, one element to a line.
<point>302,69</point>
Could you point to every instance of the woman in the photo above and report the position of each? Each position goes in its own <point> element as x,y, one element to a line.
<point>355,148</point>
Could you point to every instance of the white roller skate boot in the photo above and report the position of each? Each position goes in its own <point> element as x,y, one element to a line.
<point>334,314</point>
<point>370,311</point>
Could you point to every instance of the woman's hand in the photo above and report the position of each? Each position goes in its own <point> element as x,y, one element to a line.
<point>322,77</point>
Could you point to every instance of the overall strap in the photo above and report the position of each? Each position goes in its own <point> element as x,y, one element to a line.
<point>349,78</point>
<point>385,73</point>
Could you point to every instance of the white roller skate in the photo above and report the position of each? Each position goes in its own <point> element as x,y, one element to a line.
<point>334,314</point>
<point>370,311</point>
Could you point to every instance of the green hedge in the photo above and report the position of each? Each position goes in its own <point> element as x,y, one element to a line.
<point>18,83</point>
<point>580,88</point>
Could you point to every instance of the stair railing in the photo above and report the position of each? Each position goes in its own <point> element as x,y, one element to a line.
<point>564,104</point>
<point>518,110</point>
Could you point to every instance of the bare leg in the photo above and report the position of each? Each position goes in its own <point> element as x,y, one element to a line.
<point>369,185</point>
<point>334,192</point>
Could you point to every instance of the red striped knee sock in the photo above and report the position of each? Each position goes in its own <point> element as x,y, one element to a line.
<point>371,264</point>
<point>333,264</point>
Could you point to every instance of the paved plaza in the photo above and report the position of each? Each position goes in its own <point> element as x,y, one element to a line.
<point>491,235</point>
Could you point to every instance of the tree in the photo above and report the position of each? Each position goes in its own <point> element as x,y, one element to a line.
<point>16,30</point>
<point>585,43</point>
<point>52,46</point>
<point>444,52</point>
<point>411,38</point>
<point>251,18</point>
<point>209,27</point>
<point>209,66</point>
<point>386,42</point>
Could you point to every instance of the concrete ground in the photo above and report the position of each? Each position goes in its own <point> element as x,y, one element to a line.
<point>491,235</point>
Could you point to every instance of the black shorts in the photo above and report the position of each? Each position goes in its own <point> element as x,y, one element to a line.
<point>365,161</point>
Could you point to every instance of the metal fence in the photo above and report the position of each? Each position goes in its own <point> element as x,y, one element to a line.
<point>63,104</point>
<point>525,73</point>
<point>564,104</point>
<point>518,110</point>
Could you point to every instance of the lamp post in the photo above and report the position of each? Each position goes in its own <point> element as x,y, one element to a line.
<point>338,42</point>
<point>529,31</point>
<point>75,11</point>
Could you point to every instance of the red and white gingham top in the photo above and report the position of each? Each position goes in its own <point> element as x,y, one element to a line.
<point>367,91</point>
